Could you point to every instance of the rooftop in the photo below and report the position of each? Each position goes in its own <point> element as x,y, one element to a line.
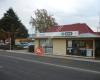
<point>81,27</point>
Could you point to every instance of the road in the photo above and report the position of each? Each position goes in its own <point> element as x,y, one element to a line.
<point>16,66</point>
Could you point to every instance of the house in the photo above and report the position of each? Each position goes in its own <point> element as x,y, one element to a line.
<point>74,39</point>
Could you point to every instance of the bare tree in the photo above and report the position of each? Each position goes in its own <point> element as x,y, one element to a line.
<point>42,20</point>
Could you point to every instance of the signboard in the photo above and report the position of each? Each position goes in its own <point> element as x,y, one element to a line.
<point>89,52</point>
<point>70,33</point>
<point>52,34</point>
<point>39,51</point>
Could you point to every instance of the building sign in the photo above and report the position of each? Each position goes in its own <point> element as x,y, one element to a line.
<point>39,51</point>
<point>70,33</point>
<point>52,34</point>
<point>67,33</point>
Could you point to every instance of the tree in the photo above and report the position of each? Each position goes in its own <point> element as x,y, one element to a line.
<point>42,20</point>
<point>3,35</point>
<point>11,24</point>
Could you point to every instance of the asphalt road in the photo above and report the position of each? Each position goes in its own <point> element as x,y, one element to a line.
<point>14,66</point>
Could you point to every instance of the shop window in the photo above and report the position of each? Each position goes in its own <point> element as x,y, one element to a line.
<point>69,43</point>
<point>47,44</point>
<point>89,44</point>
<point>42,42</point>
<point>76,47</point>
<point>82,44</point>
<point>75,43</point>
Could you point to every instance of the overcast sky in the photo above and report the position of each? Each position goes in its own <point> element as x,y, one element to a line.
<point>64,11</point>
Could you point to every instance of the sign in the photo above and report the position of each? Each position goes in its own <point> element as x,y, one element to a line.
<point>39,51</point>
<point>53,34</point>
<point>70,33</point>
<point>89,52</point>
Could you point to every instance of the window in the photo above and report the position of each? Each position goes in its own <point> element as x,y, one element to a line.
<point>69,43</point>
<point>89,43</point>
<point>82,43</point>
<point>47,44</point>
<point>79,43</point>
<point>42,42</point>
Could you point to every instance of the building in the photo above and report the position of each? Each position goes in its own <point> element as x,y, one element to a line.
<point>75,39</point>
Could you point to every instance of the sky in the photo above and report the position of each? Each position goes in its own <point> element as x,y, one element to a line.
<point>64,11</point>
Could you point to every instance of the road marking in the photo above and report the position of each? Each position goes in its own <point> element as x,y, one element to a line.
<point>55,65</point>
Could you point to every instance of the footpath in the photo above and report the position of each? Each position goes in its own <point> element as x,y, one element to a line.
<point>56,56</point>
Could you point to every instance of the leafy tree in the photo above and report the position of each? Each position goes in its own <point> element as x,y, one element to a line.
<point>3,35</point>
<point>11,24</point>
<point>42,20</point>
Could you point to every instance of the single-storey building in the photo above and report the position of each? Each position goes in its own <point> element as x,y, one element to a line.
<point>74,39</point>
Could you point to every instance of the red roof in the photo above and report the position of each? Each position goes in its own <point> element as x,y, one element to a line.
<point>81,27</point>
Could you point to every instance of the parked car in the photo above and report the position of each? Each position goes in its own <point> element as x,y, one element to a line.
<point>24,44</point>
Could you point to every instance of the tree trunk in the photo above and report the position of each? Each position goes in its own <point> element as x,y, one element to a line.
<point>12,41</point>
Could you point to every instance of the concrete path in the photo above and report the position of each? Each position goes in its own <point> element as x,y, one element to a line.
<point>57,56</point>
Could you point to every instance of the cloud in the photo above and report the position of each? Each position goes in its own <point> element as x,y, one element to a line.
<point>64,11</point>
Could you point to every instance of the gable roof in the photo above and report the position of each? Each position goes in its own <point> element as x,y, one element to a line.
<point>81,27</point>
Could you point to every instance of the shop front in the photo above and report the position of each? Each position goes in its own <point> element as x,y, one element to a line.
<point>46,44</point>
<point>74,39</point>
<point>80,47</point>
<point>70,45</point>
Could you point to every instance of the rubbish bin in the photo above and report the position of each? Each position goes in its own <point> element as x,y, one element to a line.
<point>31,48</point>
